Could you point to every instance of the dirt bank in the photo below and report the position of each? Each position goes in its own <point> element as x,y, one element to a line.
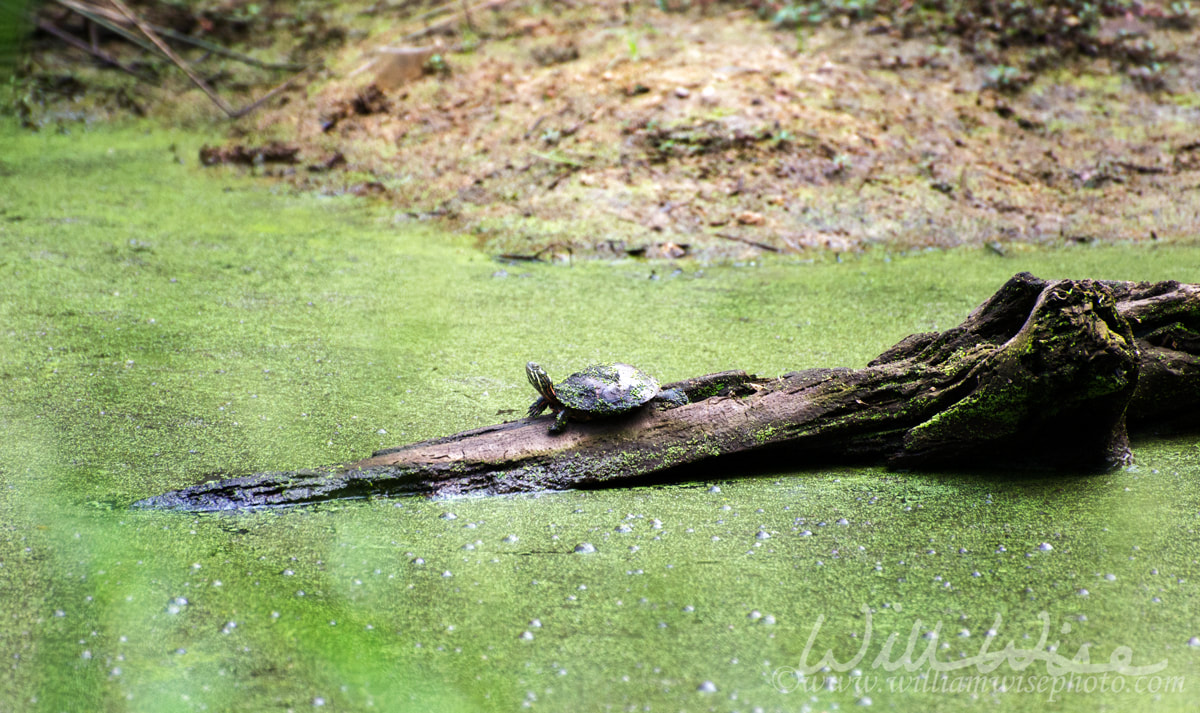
<point>563,130</point>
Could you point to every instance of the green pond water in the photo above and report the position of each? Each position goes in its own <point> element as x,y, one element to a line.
<point>161,324</point>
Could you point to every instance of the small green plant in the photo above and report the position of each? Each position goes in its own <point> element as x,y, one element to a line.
<point>436,64</point>
<point>1149,77</point>
<point>667,6</point>
<point>633,47</point>
<point>469,42</point>
<point>1180,16</point>
<point>839,167</point>
<point>812,13</point>
<point>800,15</point>
<point>1007,79</point>
<point>246,13</point>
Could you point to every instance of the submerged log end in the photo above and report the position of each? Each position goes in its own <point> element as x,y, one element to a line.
<point>293,487</point>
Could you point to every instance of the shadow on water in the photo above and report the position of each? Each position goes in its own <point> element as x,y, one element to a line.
<point>778,462</point>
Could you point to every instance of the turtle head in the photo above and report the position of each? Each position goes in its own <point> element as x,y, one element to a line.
<point>540,381</point>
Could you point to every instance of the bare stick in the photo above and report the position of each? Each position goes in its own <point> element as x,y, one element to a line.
<point>748,241</point>
<point>466,11</point>
<point>106,19</point>
<point>453,18</point>
<point>111,20</point>
<point>165,49</point>
<point>94,51</point>
<point>278,88</point>
<point>441,9</point>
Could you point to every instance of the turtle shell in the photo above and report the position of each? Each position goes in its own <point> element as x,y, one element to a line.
<point>604,389</point>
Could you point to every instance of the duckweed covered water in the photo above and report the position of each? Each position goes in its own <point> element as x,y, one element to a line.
<point>160,325</point>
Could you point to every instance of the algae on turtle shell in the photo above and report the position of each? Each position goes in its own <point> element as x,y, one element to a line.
<point>599,391</point>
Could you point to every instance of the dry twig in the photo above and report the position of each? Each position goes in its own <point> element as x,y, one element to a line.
<point>166,50</point>
<point>748,241</point>
<point>114,22</point>
<point>464,13</point>
<point>94,51</point>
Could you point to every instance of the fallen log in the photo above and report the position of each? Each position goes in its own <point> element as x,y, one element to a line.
<point>1042,372</point>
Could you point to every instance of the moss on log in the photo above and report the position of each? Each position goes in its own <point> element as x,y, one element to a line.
<point>1043,371</point>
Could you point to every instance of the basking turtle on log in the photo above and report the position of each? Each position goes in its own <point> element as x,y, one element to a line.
<point>1042,372</point>
<point>598,391</point>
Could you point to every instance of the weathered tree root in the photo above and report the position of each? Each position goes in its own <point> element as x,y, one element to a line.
<point>1044,372</point>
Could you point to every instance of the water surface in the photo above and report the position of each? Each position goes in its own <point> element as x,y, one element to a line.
<point>161,324</point>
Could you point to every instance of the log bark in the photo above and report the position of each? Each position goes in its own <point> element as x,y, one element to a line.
<point>1043,372</point>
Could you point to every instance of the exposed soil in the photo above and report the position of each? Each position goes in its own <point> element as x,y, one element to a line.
<point>563,130</point>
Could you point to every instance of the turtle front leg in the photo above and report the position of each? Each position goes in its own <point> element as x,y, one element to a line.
<point>560,421</point>
<point>538,406</point>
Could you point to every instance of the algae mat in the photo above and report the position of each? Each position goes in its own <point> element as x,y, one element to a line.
<point>160,325</point>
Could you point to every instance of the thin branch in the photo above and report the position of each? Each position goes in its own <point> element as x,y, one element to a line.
<point>104,18</point>
<point>453,18</point>
<point>162,46</point>
<point>466,11</point>
<point>278,88</point>
<point>748,241</point>
<point>225,52</point>
<point>95,52</point>
<point>112,20</point>
<point>439,10</point>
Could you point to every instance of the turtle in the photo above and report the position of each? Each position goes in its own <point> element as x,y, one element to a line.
<point>599,391</point>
